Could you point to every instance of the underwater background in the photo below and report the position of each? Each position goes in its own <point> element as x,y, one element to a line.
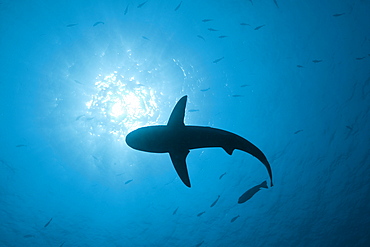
<point>292,77</point>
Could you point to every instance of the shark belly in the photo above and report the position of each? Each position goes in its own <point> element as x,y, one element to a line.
<point>207,137</point>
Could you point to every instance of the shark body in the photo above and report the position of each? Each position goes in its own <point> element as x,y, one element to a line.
<point>178,139</point>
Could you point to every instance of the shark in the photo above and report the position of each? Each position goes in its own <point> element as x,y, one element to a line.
<point>178,139</point>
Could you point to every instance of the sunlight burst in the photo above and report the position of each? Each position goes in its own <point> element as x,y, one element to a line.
<point>120,105</point>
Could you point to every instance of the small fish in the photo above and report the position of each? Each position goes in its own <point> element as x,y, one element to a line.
<point>97,23</point>
<point>95,158</point>
<point>141,4</point>
<point>198,245</point>
<point>222,175</point>
<point>145,38</point>
<point>178,6</point>
<point>297,131</point>
<point>259,27</point>
<point>174,212</point>
<point>201,37</point>
<point>200,214</point>
<point>244,24</point>
<point>218,60</point>
<point>237,95</point>
<point>316,61</point>
<point>120,174</point>
<point>129,181</point>
<point>349,127</point>
<point>78,118</point>
<point>20,146</point>
<point>204,90</point>
<point>234,219</point>
<point>213,30</point>
<point>276,3</point>
<point>300,66</point>
<point>214,203</point>
<point>207,20</point>
<point>48,222</point>
<point>78,82</point>
<point>251,192</point>
<point>222,36</point>
<point>62,244</point>
<point>359,58</point>
<point>29,236</point>
<point>126,9</point>
<point>244,85</point>
<point>72,25</point>
<point>193,110</point>
<point>339,14</point>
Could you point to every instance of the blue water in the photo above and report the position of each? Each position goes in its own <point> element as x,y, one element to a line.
<point>292,77</point>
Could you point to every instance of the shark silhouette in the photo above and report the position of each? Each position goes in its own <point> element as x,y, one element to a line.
<point>177,139</point>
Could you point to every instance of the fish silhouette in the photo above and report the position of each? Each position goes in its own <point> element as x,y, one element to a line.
<point>177,139</point>
<point>178,6</point>
<point>214,203</point>
<point>251,192</point>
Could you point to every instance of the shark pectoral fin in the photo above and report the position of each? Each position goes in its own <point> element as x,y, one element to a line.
<point>229,150</point>
<point>179,162</point>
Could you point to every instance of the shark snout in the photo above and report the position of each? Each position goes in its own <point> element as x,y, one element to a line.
<point>131,140</point>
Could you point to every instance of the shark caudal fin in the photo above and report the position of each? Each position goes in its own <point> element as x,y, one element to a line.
<point>268,167</point>
<point>250,148</point>
<point>261,157</point>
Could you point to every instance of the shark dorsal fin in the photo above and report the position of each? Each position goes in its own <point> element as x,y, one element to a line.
<point>178,113</point>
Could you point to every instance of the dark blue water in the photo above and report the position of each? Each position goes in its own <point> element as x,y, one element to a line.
<point>292,77</point>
